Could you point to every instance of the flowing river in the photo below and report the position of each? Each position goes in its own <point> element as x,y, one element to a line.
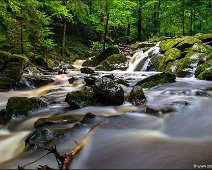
<point>131,138</point>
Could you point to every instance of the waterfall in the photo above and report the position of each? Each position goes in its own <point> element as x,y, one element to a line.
<point>145,64</point>
<point>140,55</point>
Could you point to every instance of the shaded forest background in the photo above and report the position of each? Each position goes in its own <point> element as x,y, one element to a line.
<point>80,28</point>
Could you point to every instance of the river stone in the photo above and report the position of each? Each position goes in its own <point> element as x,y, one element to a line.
<point>137,96</point>
<point>57,120</point>
<point>11,69</point>
<point>156,80</point>
<point>20,107</point>
<point>87,70</point>
<point>38,138</point>
<point>72,79</point>
<point>89,80</point>
<point>109,92</point>
<point>114,62</point>
<point>80,99</point>
<point>158,111</point>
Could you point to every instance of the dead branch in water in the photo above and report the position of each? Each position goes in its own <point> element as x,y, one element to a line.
<point>65,160</point>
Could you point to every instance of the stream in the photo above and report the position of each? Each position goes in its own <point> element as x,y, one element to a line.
<point>131,138</point>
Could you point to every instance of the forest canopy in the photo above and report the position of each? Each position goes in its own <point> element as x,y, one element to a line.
<point>38,27</point>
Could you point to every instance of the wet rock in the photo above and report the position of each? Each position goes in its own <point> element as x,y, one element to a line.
<point>89,80</point>
<point>158,111</point>
<point>114,62</point>
<point>87,118</point>
<point>204,70</point>
<point>20,107</point>
<point>98,59</point>
<point>87,70</point>
<point>180,103</point>
<point>80,99</point>
<point>109,92</point>
<point>122,81</point>
<point>31,81</point>
<point>202,93</point>
<point>200,47</point>
<point>3,120</point>
<point>169,56</point>
<point>38,139</point>
<point>11,69</point>
<point>110,76</point>
<point>57,120</point>
<point>72,79</point>
<point>187,65</point>
<point>137,96</point>
<point>156,80</point>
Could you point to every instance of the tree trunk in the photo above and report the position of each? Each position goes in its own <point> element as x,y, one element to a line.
<point>106,26</point>
<point>90,6</point>
<point>155,19</point>
<point>128,32</point>
<point>183,17</point>
<point>158,17</point>
<point>191,21</point>
<point>64,31</point>
<point>139,20</point>
<point>22,43</point>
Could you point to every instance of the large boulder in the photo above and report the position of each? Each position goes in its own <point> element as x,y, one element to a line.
<point>80,99</point>
<point>137,96</point>
<point>98,59</point>
<point>109,92</point>
<point>11,69</point>
<point>20,107</point>
<point>168,44</point>
<point>204,37</point>
<point>114,62</point>
<point>156,80</point>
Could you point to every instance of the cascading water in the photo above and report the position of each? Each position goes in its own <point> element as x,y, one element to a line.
<point>131,138</point>
<point>140,55</point>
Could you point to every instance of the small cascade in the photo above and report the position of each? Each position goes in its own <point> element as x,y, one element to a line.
<point>140,55</point>
<point>146,64</point>
<point>78,64</point>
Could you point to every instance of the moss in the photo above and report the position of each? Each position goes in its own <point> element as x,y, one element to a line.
<point>168,44</point>
<point>172,54</point>
<point>204,37</point>
<point>200,47</point>
<point>79,99</point>
<point>187,64</point>
<point>154,63</point>
<point>114,62</point>
<point>156,80</point>
<point>186,42</point>
<point>137,96</point>
<point>41,61</point>
<point>204,71</point>
<point>168,67</point>
<point>19,107</point>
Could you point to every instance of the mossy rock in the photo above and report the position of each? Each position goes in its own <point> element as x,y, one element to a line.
<point>154,63</point>
<point>168,44</point>
<point>204,71</point>
<point>204,37</point>
<point>137,96</point>
<point>20,107</point>
<point>80,99</point>
<point>169,66</point>
<point>169,56</point>
<point>109,92</point>
<point>186,66</point>
<point>98,59</point>
<point>114,62</point>
<point>200,47</point>
<point>87,70</point>
<point>11,69</point>
<point>187,42</point>
<point>156,80</point>
<point>89,80</point>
